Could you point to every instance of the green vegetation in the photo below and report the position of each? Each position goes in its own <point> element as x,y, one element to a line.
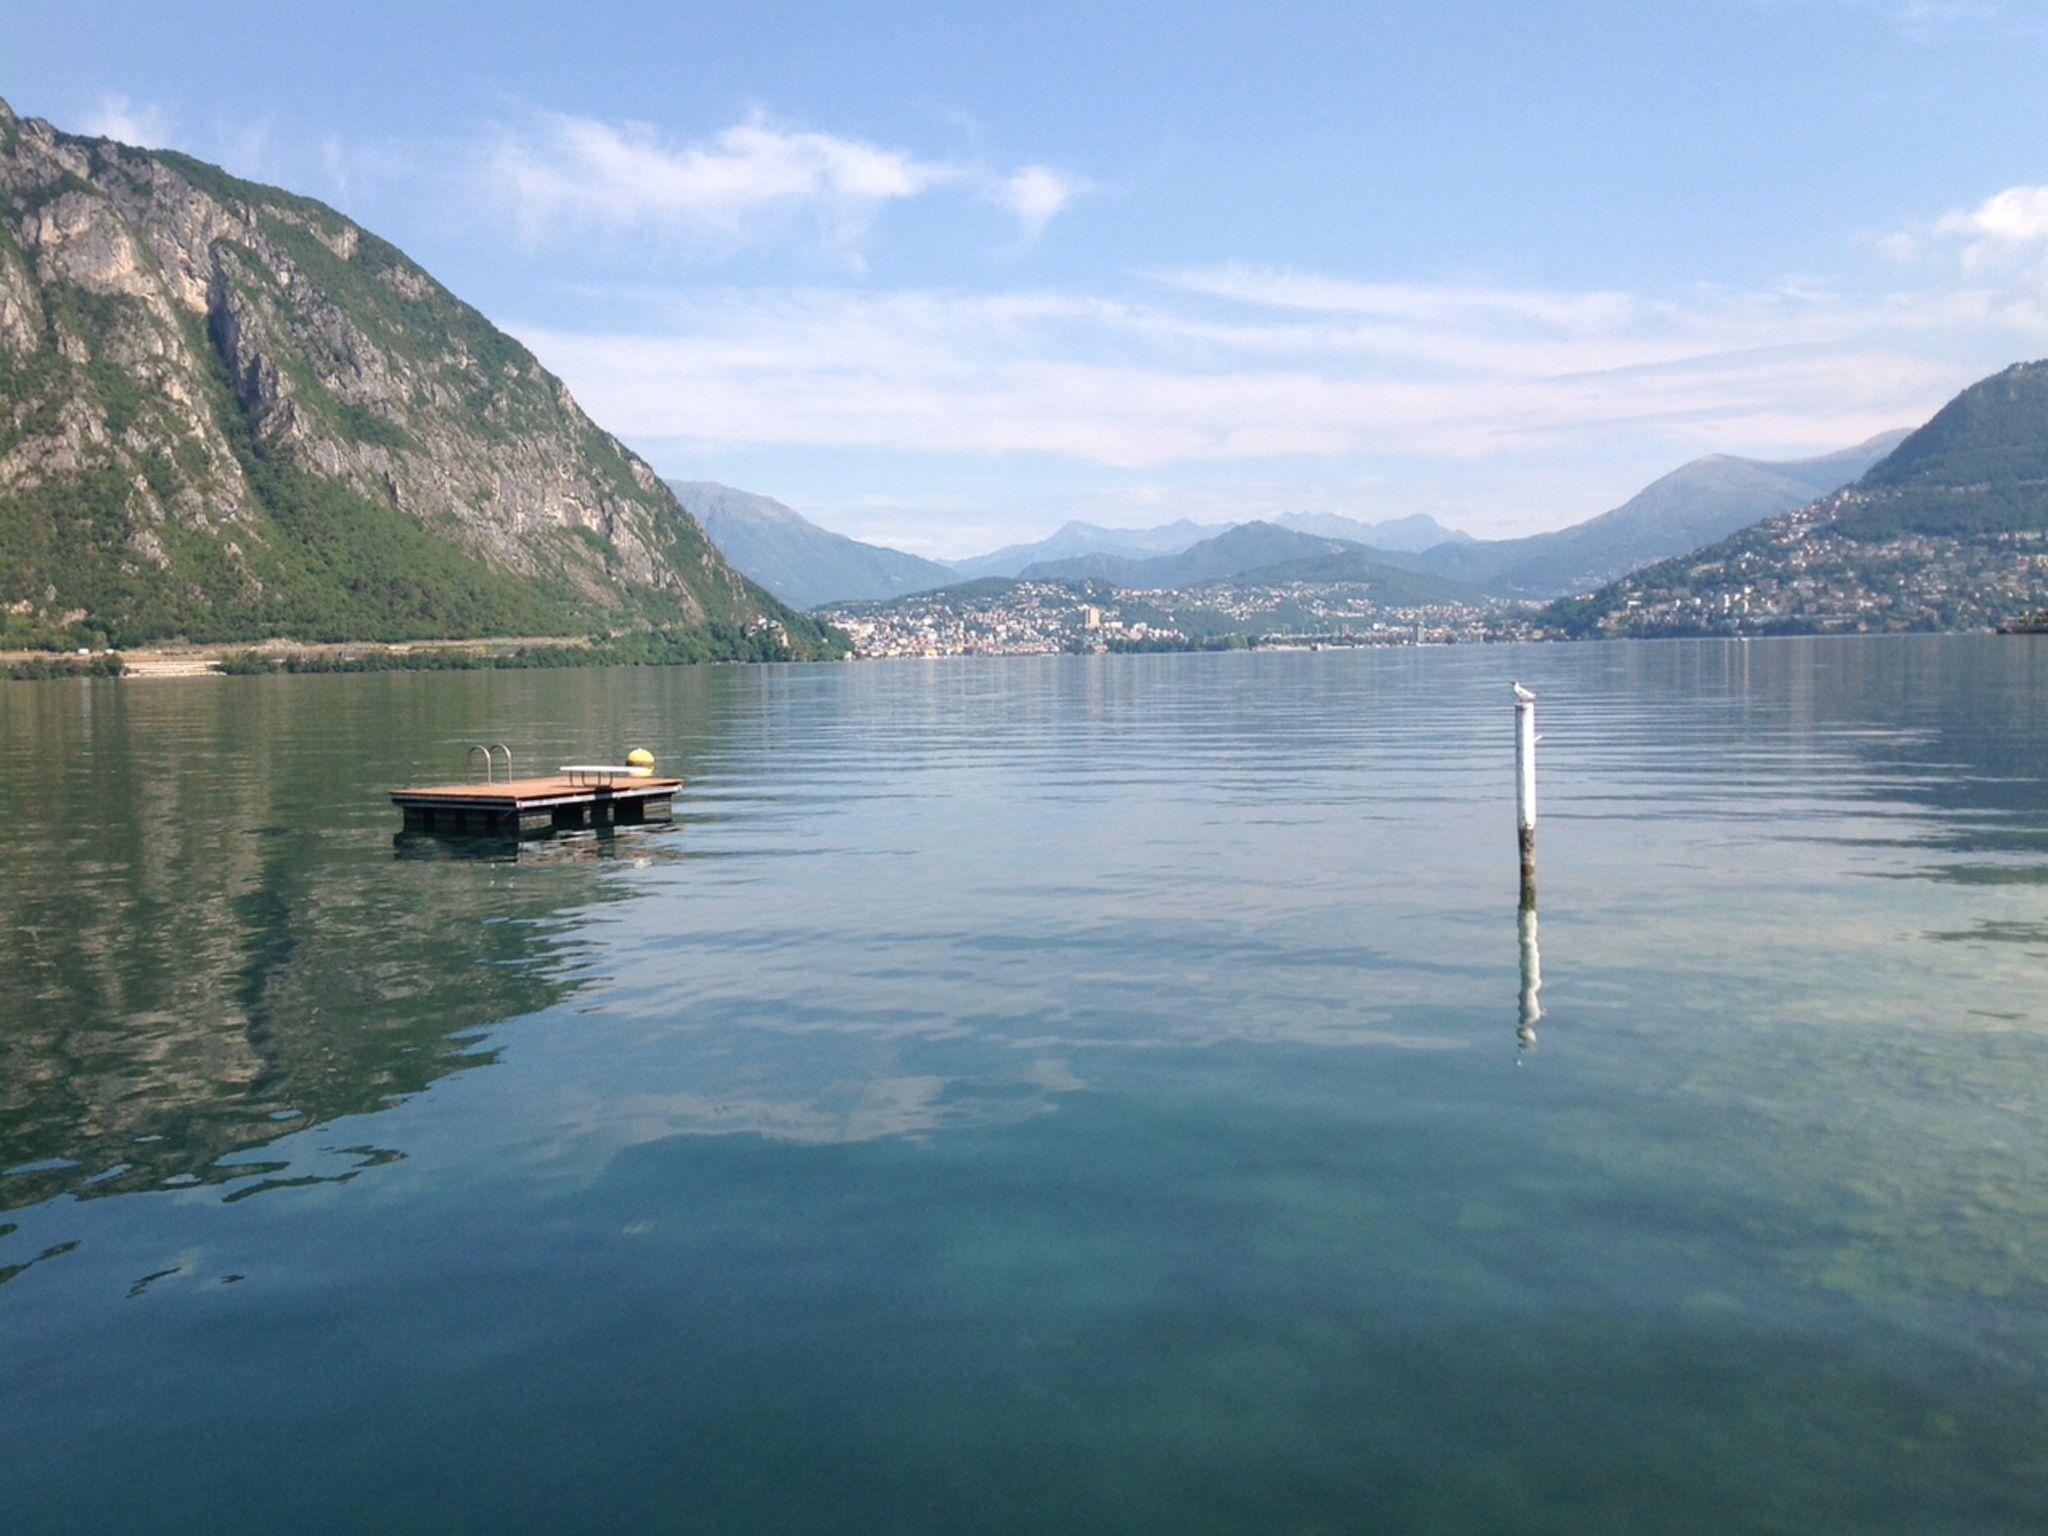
<point>1993,433</point>
<point>652,648</point>
<point>63,666</point>
<point>1963,512</point>
<point>225,187</point>
<point>317,561</point>
<point>1979,468</point>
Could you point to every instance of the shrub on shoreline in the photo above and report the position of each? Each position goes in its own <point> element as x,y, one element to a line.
<point>108,665</point>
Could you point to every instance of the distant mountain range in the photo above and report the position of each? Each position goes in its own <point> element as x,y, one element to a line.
<point>1416,532</point>
<point>1258,551</point>
<point>809,566</point>
<point>1076,539</point>
<point>1693,505</point>
<point>231,413</point>
<point>794,558</point>
<point>1949,531</point>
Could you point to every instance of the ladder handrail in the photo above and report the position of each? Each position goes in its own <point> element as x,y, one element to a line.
<point>475,748</point>
<point>499,746</point>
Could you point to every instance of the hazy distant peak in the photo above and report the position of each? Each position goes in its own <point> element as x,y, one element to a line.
<point>1879,445</point>
<point>793,557</point>
<point>1412,533</point>
<point>702,496</point>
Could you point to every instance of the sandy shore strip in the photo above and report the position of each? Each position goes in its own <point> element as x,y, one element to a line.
<point>204,660</point>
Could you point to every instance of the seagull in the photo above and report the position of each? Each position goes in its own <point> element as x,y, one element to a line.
<point>1523,695</point>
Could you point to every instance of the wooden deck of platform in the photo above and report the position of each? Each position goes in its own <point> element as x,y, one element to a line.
<point>534,805</point>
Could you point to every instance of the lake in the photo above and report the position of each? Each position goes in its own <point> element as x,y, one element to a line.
<point>1034,1095</point>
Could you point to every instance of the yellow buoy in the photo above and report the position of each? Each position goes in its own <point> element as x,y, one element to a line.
<point>641,761</point>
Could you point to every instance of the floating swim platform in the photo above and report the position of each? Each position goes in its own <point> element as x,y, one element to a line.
<point>588,796</point>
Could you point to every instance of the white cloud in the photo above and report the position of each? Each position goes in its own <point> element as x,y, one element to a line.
<point>2000,246</point>
<point>581,173</point>
<point>1036,195</point>
<point>2018,216</point>
<point>141,123</point>
<point>564,174</point>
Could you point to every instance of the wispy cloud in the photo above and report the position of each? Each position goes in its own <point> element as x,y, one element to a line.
<point>578,173</point>
<point>1410,302</point>
<point>559,174</point>
<point>1449,373</point>
<point>1036,194</point>
<point>120,117</point>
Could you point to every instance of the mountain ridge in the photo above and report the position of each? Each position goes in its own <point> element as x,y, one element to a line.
<point>799,562</point>
<point>1411,534</point>
<point>1700,501</point>
<point>1253,551</point>
<point>1076,539</point>
<point>230,412</point>
<point>1949,530</point>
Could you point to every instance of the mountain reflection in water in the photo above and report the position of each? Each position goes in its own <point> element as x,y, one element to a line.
<point>200,961</point>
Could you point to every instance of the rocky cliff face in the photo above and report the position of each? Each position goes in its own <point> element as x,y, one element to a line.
<point>227,411</point>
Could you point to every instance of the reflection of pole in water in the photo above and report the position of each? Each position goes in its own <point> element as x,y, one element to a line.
<point>1525,834</point>
<point>1532,979</point>
<point>1525,788</point>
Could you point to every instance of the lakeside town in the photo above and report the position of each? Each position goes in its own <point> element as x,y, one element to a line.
<point>1801,574</point>
<point>1804,573</point>
<point>1028,618</point>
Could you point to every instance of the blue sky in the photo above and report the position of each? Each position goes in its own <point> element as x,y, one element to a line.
<point>946,276</point>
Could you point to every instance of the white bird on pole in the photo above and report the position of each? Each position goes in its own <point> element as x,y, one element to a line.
<point>1523,695</point>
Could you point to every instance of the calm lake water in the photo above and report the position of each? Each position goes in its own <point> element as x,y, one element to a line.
<point>1037,1095</point>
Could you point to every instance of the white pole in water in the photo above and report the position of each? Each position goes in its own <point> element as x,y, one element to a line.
<point>1525,788</point>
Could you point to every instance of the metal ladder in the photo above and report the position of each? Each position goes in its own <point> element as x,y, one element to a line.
<point>490,761</point>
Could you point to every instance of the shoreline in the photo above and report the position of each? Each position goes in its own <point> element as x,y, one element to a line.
<point>509,653</point>
<point>275,655</point>
<point>211,659</point>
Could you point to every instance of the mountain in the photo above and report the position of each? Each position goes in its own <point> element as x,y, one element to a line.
<point>1693,505</point>
<point>1077,539</point>
<point>1411,534</point>
<point>794,558</point>
<point>1980,466</point>
<point>1261,551</point>
<point>1418,531</point>
<point>1949,531</point>
<point>230,412</point>
<point>1241,548</point>
<point>1364,570</point>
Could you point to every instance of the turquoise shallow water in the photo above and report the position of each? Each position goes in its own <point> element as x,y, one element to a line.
<point>1066,1094</point>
